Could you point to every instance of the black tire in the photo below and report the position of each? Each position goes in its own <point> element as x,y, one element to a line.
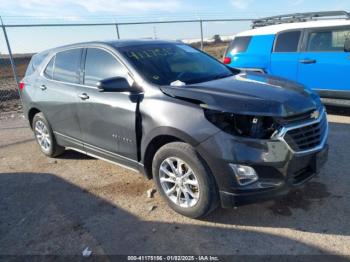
<point>208,194</point>
<point>53,150</point>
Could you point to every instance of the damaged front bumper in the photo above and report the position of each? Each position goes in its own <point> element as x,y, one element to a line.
<point>289,159</point>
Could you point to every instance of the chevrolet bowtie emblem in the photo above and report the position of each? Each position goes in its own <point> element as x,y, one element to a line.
<point>315,114</point>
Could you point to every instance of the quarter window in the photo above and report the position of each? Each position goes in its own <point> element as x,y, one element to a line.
<point>34,63</point>
<point>328,40</point>
<point>67,64</point>
<point>287,42</point>
<point>101,65</point>
<point>239,45</point>
<point>49,68</point>
<point>37,59</point>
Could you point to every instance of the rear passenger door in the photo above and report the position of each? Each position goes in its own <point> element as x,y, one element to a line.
<point>57,96</point>
<point>323,65</point>
<point>285,55</point>
<point>107,119</point>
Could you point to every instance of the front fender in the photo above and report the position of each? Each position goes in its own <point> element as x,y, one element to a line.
<point>167,131</point>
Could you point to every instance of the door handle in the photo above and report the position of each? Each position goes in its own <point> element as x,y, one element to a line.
<point>308,61</point>
<point>84,96</point>
<point>43,87</point>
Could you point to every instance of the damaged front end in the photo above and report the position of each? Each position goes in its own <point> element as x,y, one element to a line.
<point>249,109</point>
<point>264,157</point>
<point>272,136</point>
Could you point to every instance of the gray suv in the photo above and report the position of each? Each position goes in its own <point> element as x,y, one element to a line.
<point>207,134</point>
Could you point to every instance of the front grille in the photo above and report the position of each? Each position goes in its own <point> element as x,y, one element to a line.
<point>308,136</point>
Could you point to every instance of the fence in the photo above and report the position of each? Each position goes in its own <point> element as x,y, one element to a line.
<point>16,38</point>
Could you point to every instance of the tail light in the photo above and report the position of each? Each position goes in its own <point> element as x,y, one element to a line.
<point>227,60</point>
<point>21,86</point>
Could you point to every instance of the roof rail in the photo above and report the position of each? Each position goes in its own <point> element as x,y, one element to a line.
<point>299,17</point>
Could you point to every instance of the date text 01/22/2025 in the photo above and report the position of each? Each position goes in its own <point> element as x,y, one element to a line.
<point>173,258</point>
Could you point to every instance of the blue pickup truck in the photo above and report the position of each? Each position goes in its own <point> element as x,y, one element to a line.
<point>308,48</point>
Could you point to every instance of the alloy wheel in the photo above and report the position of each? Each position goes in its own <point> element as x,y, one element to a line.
<point>42,135</point>
<point>179,182</point>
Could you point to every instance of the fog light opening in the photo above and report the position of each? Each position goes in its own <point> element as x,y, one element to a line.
<point>245,175</point>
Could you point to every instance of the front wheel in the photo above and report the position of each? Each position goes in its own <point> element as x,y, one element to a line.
<point>184,180</point>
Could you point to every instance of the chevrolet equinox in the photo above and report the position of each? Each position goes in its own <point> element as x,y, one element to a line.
<point>206,133</point>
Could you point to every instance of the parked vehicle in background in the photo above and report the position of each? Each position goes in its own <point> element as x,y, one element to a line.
<point>301,48</point>
<point>205,133</point>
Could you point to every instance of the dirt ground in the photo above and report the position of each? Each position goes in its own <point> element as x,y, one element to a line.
<point>216,50</point>
<point>61,206</point>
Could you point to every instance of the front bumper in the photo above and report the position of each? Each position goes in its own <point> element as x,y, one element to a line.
<point>303,170</point>
<point>278,166</point>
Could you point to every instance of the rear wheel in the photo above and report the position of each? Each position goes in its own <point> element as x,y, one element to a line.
<point>184,180</point>
<point>44,136</point>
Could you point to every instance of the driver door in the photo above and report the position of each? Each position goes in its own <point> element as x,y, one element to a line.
<point>107,119</point>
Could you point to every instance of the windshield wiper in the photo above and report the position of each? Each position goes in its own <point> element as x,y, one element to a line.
<point>206,79</point>
<point>222,76</point>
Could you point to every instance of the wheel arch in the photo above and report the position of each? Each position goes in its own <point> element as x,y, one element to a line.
<point>157,139</point>
<point>31,113</point>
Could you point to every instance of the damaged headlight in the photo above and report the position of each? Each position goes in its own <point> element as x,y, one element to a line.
<point>260,127</point>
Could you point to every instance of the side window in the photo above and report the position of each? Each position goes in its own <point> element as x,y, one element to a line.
<point>100,65</point>
<point>287,42</point>
<point>67,64</point>
<point>49,68</point>
<point>328,40</point>
<point>239,45</point>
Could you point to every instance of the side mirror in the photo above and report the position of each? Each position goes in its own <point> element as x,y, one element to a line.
<point>347,45</point>
<point>115,84</point>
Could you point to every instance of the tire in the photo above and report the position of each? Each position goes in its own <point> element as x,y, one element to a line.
<point>42,128</point>
<point>198,191</point>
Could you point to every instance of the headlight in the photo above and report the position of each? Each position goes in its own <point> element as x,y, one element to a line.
<point>242,125</point>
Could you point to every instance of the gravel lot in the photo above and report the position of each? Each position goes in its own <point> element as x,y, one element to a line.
<point>9,97</point>
<point>61,206</point>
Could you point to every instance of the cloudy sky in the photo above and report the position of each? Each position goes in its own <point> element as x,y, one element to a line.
<point>147,8</point>
<point>41,11</point>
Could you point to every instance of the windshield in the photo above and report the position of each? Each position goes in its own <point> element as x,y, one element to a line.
<point>171,64</point>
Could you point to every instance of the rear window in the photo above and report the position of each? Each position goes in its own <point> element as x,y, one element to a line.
<point>239,45</point>
<point>67,65</point>
<point>287,42</point>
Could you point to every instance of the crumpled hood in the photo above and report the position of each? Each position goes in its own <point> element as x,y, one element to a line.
<point>249,93</point>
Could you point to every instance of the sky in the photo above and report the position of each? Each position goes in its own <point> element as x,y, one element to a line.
<point>25,40</point>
